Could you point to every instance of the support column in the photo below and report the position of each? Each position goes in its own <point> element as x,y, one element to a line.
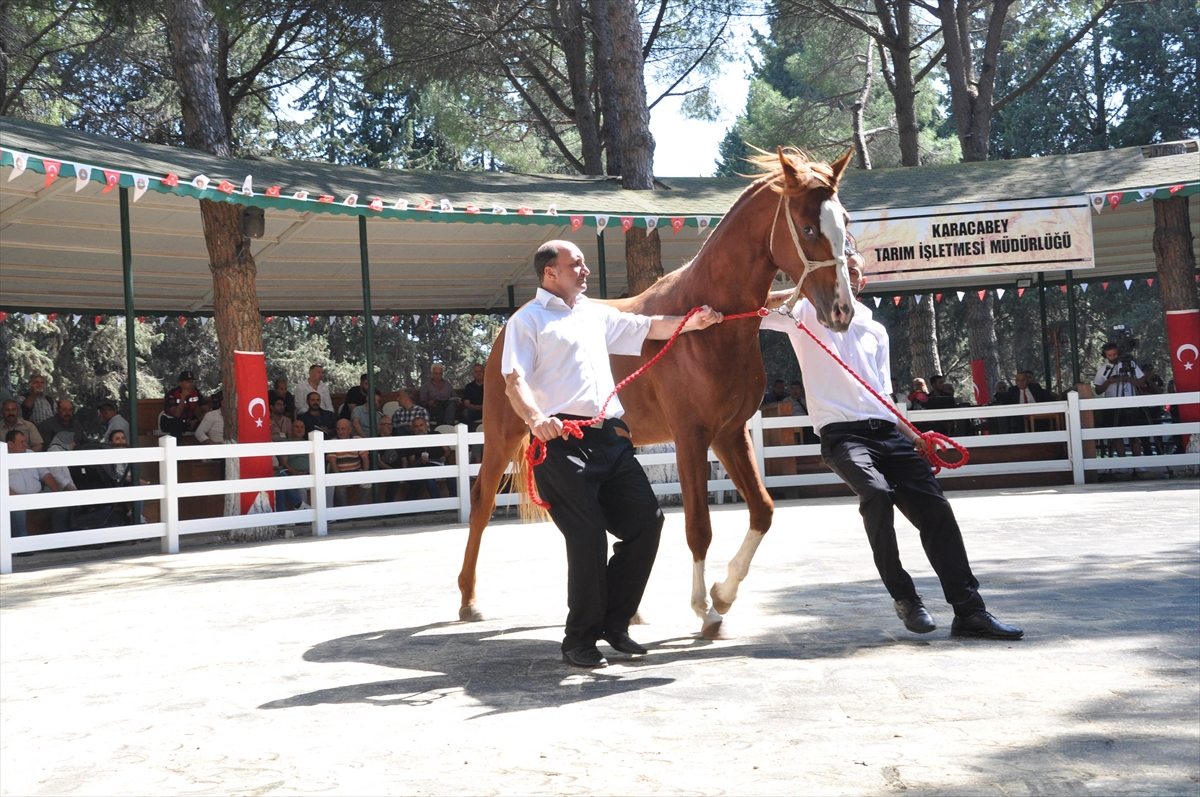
<point>368,326</point>
<point>1071,328</point>
<point>130,344</point>
<point>1049,383</point>
<point>601,266</point>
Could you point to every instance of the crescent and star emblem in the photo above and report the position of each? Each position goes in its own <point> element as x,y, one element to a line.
<point>258,419</point>
<point>1187,364</point>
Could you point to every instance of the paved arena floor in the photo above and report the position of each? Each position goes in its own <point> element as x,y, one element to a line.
<point>335,666</point>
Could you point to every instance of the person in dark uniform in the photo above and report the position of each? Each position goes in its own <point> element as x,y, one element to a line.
<point>881,464</point>
<point>555,366</point>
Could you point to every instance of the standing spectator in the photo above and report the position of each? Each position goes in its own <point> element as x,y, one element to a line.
<point>360,421</point>
<point>389,459</point>
<point>112,421</point>
<point>13,420</point>
<point>181,408</point>
<point>402,419</point>
<point>24,481</point>
<point>211,429</point>
<point>939,387</point>
<point>315,374</point>
<point>36,406</point>
<point>346,462</point>
<point>295,465</point>
<point>280,391</point>
<point>355,397</point>
<point>318,417</point>
<point>63,420</point>
<point>1117,377</point>
<point>439,397</point>
<point>472,399</point>
<point>281,424</point>
<point>428,456</point>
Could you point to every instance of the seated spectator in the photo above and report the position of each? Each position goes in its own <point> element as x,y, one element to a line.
<point>388,459</point>
<point>439,397</point>
<point>120,472</point>
<point>13,420</point>
<point>60,519</point>
<point>24,481</point>
<point>776,394</point>
<point>355,397</point>
<point>1000,393</point>
<point>315,374</point>
<point>1026,391</point>
<point>112,421</point>
<point>63,420</point>
<point>36,406</point>
<point>281,424</point>
<point>428,456</point>
<point>346,462</point>
<point>317,417</point>
<point>939,387</point>
<point>181,408</point>
<point>402,419</point>
<point>919,397</point>
<point>360,421</point>
<point>296,465</point>
<point>472,400</point>
<point>280,391</point>
<point>797,397</point>
<point>211,429</point>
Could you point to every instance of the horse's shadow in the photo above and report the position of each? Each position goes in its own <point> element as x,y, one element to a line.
<point>502,670</point>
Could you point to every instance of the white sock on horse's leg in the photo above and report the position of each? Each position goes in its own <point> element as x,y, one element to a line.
<point>699,594</point>
<point>725,593</point>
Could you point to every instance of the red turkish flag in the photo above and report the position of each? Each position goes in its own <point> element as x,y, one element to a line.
<point>626,223</point>
<point>254,417</point>
<point>524,210</point>
<point>472,208</point>
<point>426,204</point>
<point>1020,292</point>
<point>111,180</point>
<point>376,204</point>
<point>982,294</point>
<point>273,191</point>
<point>1183,337</point>
<point>327,198</point>
<point>576,223</point>
<point>1114,199</point>
<point>979,380</point>
<point>676,225</point>
<point>171,180</point>
<point>52,169</point>
<point>225,187</point>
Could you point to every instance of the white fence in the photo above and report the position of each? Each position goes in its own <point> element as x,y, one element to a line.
<point>169,489</point>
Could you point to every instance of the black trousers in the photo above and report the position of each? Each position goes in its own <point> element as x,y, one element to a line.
<point>594,486</point>
<point>885,472</point>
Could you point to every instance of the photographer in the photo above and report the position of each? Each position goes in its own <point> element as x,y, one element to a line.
<point>1119,375</point>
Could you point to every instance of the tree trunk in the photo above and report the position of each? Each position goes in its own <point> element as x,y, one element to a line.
<point>636,142</point>
<point>1173,254</point>
<point>922,337</point>
<point>981,336</point>
<point>643,259</point>
<point>859,107</point>
<point>235,291</point>
<point>574,44</point>
<point>902,84</point>
<point>607,86</point>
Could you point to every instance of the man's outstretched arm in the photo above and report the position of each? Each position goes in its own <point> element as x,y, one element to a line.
<point>663,327</point>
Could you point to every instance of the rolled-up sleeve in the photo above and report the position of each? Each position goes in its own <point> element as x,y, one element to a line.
<point>520,346</point>
<point>624,332</point>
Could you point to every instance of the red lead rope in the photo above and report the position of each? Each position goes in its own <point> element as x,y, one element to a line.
<point>536,453</point>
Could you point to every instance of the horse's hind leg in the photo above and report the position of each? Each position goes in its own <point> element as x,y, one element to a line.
<point>496,456</point>
<point>691,458</point>
<point>737,455</point>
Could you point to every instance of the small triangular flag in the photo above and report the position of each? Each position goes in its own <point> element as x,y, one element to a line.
<point>937,296</point>
<point>626,223</point>
<point>1020,292</point>
<point>960,295</point>
<point>499,210</point>
<point>877,301</point>
<point>1150,282</point>
<point>981,295</point>
<point>376,204</point>
<point>416,319</point>
<point>1145,193</point>
<point>552,210</point>
<point>676,224</point>
<point>52,169</point>
<point>576,223</point>
<point>920,296</point>
<point>111,180</point>
<point>651,222</point>
<point>351,201</point>
<point>300,195</point>
<point>248,186</point>
<point>1104,286</point>
<point>446,207</point>
<point>401,204</point>
<point>601,223</point>
<point>200,182</point>
<point>1097,201</point>
<point>472,208</point>
<point>20,162</point>
<point>703,221</point>
<point>1114,199</point>
<point>172,181</point>
<point>1062,288</point>
<point>896,300</point>
<point>1175,189</point>
<point>1128,283</point>
<point>1083,286</point>
<point>225,187</point>
<point>524,210</point>
<point>140,183</point>
<point>426,204</point>
<point>82,175</point>
<point>999,294</point>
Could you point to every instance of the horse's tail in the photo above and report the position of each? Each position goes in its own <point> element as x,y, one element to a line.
<point>527,510</point>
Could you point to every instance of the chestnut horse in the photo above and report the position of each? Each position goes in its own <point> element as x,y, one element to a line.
<point>702,393</point>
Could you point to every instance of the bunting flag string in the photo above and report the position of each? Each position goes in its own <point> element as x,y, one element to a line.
<point>937,297</point>
<point>896,300</point>
<point>1103,286</point>
<point>1020,292</point>
<point>999,294</point>
<point>1150,282</point>
<point>920,296</point>
<point>1128,283</point>
<point>961,294</point>
<point>878,300</point>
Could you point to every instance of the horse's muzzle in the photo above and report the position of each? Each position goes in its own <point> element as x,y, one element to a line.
<point>840,317</point>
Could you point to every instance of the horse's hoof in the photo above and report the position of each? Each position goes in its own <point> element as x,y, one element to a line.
<point>721,606</point>
<point>469,614</point>
<point>713,631</point>
<point>637,619</point>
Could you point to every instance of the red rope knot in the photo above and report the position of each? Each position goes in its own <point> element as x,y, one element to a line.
<point>935,443</point>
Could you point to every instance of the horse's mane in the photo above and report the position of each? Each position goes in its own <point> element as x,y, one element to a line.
<point>812,174</point>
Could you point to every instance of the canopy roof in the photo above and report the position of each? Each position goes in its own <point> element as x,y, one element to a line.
<point>60,245</point>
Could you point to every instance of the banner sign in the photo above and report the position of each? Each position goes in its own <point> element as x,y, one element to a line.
<point>974,239</point>
<point>254,418</point>
<point>1183,338</point>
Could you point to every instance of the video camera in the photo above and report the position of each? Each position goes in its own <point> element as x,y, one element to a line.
<point>1125,341</point>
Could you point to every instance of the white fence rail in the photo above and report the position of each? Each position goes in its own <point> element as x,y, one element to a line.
<point>319,483</point>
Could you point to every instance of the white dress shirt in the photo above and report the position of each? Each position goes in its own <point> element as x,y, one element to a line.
<point>212,427</point>
<point>1117,388</point>
<point>835,396</point>
<point>562,352</point>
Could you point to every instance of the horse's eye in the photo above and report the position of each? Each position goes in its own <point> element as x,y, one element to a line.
<point>809,231</point>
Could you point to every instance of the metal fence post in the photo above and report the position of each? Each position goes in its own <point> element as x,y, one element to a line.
<point>1075,437</point>
<point>316,467</point>
<point>462,457</point>
<point>756,436</point>
<point>168,475</point>
<point>5,518</point>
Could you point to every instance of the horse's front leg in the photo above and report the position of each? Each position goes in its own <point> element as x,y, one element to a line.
<point>691,459</point>
<point>736,453</point>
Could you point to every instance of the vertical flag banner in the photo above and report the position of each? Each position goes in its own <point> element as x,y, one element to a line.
<point>254,418</point>
<point>1183,338</point>
<point>979,379</point>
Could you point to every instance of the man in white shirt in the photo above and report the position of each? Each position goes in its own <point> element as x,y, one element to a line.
<point>25,481</point>
<point>880,462</point>
<point>555,366</point>
<point>211,430</point>
<point>315,374</point>
<point>112,420</point>
<point>1119,377</point>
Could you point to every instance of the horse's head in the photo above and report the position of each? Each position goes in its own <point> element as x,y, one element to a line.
<point>808,233</point>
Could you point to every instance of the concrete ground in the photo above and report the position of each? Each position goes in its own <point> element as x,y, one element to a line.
<point>336,665</point>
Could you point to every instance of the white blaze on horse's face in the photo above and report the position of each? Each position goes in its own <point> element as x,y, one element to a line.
<point>833,227</point>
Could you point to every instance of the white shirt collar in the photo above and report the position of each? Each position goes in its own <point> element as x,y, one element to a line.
<point>545,298</point>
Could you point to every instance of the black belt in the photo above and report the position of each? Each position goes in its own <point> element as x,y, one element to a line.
<point>869,425</point>
<point>607,423</point>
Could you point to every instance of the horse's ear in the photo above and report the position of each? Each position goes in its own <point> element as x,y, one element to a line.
<point>791,178</point>
<point>840,165</point>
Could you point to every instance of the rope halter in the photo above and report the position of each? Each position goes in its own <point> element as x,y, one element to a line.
<point>810,266</point>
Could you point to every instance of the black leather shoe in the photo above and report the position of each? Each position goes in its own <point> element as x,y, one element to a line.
<point>915,616</point>
<point>588,658</point>
<point>621,641</point>
<point>982,624</point>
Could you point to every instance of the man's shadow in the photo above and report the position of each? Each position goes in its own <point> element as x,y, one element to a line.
<point>500,669</point>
